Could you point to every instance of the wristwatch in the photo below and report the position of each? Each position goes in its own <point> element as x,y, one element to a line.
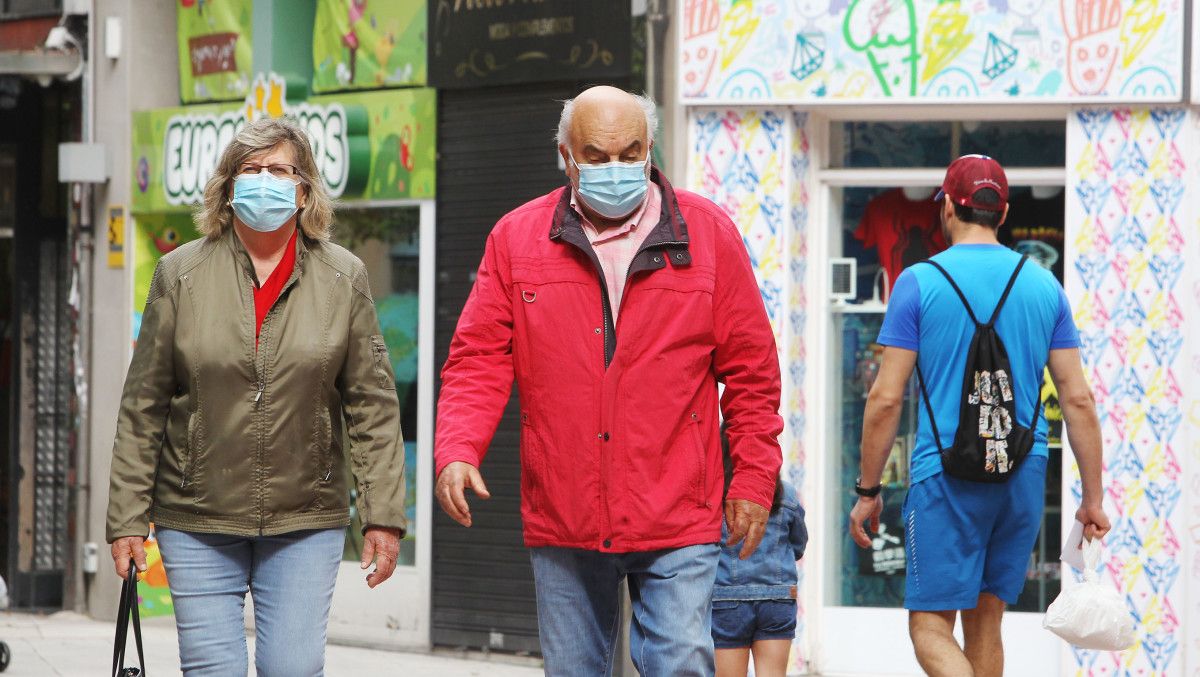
<point>866,492</point>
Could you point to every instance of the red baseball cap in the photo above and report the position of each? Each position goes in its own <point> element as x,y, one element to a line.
<point>970,174</point>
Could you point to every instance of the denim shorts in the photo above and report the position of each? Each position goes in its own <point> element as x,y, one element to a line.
<point>738,624</point>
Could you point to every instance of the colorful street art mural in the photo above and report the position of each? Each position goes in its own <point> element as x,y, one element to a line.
<point>367,45</point>
<point>965,50</point>
<point>750,162</point>
<point>1129,231</point>
<point>215,50</point>
<point>795,354</point>
<point>154,595</point>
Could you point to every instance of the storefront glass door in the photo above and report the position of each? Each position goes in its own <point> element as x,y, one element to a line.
<point>395,243</point>
<point>879,179</point>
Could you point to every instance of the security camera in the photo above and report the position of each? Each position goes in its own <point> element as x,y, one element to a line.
<point>59,39</point>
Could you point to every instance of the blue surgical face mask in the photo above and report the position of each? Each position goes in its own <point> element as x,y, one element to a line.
<point>263,202</point>
<point>614,189</point>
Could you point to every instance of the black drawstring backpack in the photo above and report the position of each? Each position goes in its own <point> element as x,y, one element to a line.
<point>989,445</point>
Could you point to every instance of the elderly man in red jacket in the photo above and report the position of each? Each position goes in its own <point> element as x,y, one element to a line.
<point>618,303</point>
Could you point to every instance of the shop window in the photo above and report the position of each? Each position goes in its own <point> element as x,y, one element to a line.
<point>884,229</point>
<point>388,242</point>
<point>887,144</point>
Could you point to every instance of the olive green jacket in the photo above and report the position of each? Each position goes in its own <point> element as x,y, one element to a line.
<point>215,436</point>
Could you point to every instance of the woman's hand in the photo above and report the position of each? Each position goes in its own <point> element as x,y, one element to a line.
<point>381,544</point>
<point>124,549</point>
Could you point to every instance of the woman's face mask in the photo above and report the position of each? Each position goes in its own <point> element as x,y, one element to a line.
<point>263,201</point>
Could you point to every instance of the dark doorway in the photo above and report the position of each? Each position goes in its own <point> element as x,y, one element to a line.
<point>37,338</point>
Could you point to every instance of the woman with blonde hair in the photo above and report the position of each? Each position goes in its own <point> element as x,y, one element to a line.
<point>257,342</point>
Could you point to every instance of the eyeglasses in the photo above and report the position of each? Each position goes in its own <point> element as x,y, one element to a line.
<point>278,170</point>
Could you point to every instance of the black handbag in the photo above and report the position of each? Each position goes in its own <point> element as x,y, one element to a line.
<point>128,607</point>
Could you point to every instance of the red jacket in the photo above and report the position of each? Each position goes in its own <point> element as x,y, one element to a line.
<point>620,449</point>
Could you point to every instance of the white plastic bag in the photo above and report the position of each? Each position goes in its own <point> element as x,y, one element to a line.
<point>1091,615</point>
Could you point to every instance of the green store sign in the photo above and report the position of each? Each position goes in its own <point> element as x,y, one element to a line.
<point>368,146</point>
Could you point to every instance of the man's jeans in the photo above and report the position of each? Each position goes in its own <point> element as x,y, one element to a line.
<point>579,612</point>
<point>291,578</point>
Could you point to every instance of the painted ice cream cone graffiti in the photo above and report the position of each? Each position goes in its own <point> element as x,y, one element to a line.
<point>946,37</point>
<point>702,20</point>
<point>1093,34</point>
<point>886,31</point>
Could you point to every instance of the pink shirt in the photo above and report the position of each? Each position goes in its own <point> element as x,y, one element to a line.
<point>615,247</point>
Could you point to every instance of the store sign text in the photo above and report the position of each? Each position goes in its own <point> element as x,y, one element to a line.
<point>193,144</point>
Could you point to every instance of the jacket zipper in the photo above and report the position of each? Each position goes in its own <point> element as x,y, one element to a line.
<point>261,372</point>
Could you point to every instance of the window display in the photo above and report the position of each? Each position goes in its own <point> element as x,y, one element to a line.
<point>873,577</point>
<point>903,226</point>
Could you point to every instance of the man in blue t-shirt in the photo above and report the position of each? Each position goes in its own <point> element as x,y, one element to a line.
<point>969,543</point>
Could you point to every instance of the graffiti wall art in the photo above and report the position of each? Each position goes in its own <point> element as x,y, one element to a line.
<point>963,50</point>
<point>755,164</point>
<point>1128,235</point>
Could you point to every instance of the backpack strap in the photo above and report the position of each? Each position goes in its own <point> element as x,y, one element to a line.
<point>962,297</point>
<point>1007,289</point>
<point>937,438</point>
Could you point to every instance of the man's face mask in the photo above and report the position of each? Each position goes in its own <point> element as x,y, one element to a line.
<point>613,189</point>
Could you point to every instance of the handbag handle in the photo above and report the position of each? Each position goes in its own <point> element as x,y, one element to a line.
<point>128,607</point>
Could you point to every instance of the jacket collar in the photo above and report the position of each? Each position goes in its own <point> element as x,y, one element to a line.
<point>243,257</point>
<point>670,231</point>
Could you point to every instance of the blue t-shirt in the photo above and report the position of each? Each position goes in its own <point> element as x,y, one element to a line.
<point>926,316</point>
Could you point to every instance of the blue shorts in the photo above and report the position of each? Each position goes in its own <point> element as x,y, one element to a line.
<point>738,624</point>
<point>967,538</point>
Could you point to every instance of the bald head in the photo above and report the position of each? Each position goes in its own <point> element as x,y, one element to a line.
<point>605,110</point>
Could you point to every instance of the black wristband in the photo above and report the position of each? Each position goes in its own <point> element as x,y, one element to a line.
<point>866,492</point>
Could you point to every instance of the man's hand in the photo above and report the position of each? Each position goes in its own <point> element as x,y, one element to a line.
<point>126,548</point>
<point>865,509</point>
<point>747,521</point>
<point>451,494</point>
<point>381,544</point>
<point>1095,522</point>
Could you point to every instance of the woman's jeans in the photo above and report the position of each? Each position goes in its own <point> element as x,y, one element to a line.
<point>291,578</point>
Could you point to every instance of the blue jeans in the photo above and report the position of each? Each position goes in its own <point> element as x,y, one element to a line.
<point>291,577</point>
<point>579,612</point>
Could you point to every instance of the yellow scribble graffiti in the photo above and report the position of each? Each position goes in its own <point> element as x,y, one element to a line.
<point>946,37</point>
<point>1138,27</point>
<point>855,86</point>
<point>736,28</point>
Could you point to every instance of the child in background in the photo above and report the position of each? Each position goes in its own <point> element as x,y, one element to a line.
<point>754,600</point>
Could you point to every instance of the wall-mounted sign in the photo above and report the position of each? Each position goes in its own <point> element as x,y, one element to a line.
<point>477,43</point>
<point>360,45</point>
<point>932,50</point>
<point>377,145</point>
<point>116,236</point>
<point>215,49</point>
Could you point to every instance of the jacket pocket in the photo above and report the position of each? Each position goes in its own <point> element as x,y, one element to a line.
<point>191,448</point>
<point>700,491</point>
<point>383,362</point>
<point>532,463</point>
<point>322,441</point>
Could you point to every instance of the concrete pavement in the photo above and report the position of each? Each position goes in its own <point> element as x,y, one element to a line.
<point>73,645</point>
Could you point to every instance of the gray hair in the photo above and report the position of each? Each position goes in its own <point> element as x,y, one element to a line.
<point>568,113</point>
